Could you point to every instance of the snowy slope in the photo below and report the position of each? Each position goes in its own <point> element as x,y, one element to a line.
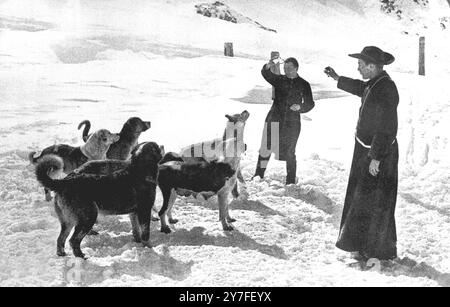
<point>109,60</point>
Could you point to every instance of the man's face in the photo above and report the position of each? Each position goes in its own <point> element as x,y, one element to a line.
<point>290,70</point>
<point>366,70</point>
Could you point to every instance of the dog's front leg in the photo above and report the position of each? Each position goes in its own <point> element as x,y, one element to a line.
<point>173,197</point>
<point>144,210</point>
<point>167,193</point>
<point>232,183</point>
<point>242,193</point>
<point>222,197</point>
<point>239,175</point>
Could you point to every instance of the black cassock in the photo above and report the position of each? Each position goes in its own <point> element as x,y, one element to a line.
<point>368,218</point>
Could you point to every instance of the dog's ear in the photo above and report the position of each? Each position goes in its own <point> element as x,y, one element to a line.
<point>163,151</point>
<point>229,117</point>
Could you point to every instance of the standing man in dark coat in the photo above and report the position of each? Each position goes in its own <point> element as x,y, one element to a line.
<point>282,126</point>
<point>368,223</point>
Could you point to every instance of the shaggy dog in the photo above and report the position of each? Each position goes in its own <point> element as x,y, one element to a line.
<point>216,177</point>
<point>80,197</point>
<point>95,149</point>
<point>129,136</point>
<point>108,169</point>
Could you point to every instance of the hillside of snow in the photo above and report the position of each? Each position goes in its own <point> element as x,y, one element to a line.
<point>63,62</point>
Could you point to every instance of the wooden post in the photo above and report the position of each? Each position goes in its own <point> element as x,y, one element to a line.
<point>422,56</point>
<point>275,69</point>
<point>228,49</point>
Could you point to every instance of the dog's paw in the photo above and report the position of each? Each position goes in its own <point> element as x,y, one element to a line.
<point>166,229</point>
<point>147,244</point>
<point>173,221</point>
<point>228,228</point>
<point>61,253</point>
<point>231,220</point>
<point>81,255</point>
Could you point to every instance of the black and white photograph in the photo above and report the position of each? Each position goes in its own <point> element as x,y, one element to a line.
<point>235,143</point>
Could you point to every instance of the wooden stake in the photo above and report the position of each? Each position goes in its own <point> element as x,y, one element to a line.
<point>228,49</point>
<point>422,56</point>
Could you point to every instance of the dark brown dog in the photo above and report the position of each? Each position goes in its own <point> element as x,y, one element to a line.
<point>129,136</point>
<point>80,197</point>
<point>212,176</point>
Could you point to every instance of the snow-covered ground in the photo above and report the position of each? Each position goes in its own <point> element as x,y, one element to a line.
<point>63,62</point>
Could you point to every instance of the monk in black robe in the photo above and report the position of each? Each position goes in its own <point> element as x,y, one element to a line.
<point>368,222</point>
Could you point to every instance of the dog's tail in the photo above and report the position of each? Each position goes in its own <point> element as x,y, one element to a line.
<point>87,126</point>
<point>50,166</point>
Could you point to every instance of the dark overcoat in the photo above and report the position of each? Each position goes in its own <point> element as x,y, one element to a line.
<point>368,222</point>
<point>287,93</point>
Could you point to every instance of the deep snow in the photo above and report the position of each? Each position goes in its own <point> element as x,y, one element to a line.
<point>107,60</point>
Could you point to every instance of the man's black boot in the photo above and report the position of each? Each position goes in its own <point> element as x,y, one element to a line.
<point>259,169</point>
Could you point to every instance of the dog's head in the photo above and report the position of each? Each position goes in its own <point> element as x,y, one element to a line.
<point>105,137</point>
<point>235,125</point>
<point>147,155</point>
<point>221,168</point>
<point>98,144</point>
<point>136,125</point>
<point>239,118</point>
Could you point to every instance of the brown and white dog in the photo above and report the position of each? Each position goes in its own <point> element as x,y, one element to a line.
<point>80,197</point>
<point>95,149</point>
<point>129,136</point>
<point>210,150</point>
<point>216,177</point>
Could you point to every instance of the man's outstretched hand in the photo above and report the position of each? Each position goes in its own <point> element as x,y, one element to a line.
<point>331,73</point>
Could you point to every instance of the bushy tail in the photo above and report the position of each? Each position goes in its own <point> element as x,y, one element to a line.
<point>87,126</point>
<point>50,165</point>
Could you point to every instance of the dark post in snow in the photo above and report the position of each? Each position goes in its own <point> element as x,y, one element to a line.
<point>228,49</point>
<point>422,56</point>
<point>275,69</point>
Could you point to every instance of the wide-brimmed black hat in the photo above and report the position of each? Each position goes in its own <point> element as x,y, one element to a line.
<point>372,54</point>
